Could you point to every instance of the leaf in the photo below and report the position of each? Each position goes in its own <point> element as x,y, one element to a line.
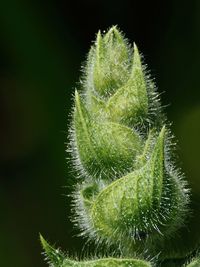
<point>54,256</point>
<point>57,259</point>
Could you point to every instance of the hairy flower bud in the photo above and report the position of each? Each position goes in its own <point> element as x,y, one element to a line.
<point>130,197</point>
<point>130,192</point>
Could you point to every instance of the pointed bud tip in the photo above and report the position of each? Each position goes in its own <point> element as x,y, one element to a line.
<point>42,240</point>
<point>99,37</point>
<point>77,97</point>
<point>136,51</point>
<point>44,243</point>
<point>113,29</point>
<point>162,132</point>
<point>114,34</point>
<point>76,93</point>
<point>137,64</point>
<point>135,46</point>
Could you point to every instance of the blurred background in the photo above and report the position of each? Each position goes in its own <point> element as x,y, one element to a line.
<point>42,47</point>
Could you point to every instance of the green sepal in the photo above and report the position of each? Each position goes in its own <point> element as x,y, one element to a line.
<point>129,203</point>
<point>130,102</point>
<point>111,62</point>
<point>106,149</point>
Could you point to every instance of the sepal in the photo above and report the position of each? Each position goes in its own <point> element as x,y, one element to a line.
<point>111,62</point>
<point>106,149</point>
<point>129,104</point>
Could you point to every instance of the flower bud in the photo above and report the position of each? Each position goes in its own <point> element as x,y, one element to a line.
<point>130,196</point>
<point>131,192</point>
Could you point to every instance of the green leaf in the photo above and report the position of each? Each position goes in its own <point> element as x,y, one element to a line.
<point>54,256</point>
<point>57,259</point>
<point>126,208</point>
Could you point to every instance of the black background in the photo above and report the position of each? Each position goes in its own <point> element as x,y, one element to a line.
<point>43,45</point>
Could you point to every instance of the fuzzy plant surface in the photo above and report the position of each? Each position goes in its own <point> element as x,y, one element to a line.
<point>130,197</point>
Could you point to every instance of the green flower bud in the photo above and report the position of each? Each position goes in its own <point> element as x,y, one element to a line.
<point>132,196</point>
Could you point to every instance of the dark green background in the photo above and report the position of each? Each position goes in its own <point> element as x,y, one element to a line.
<point>43,45</point>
